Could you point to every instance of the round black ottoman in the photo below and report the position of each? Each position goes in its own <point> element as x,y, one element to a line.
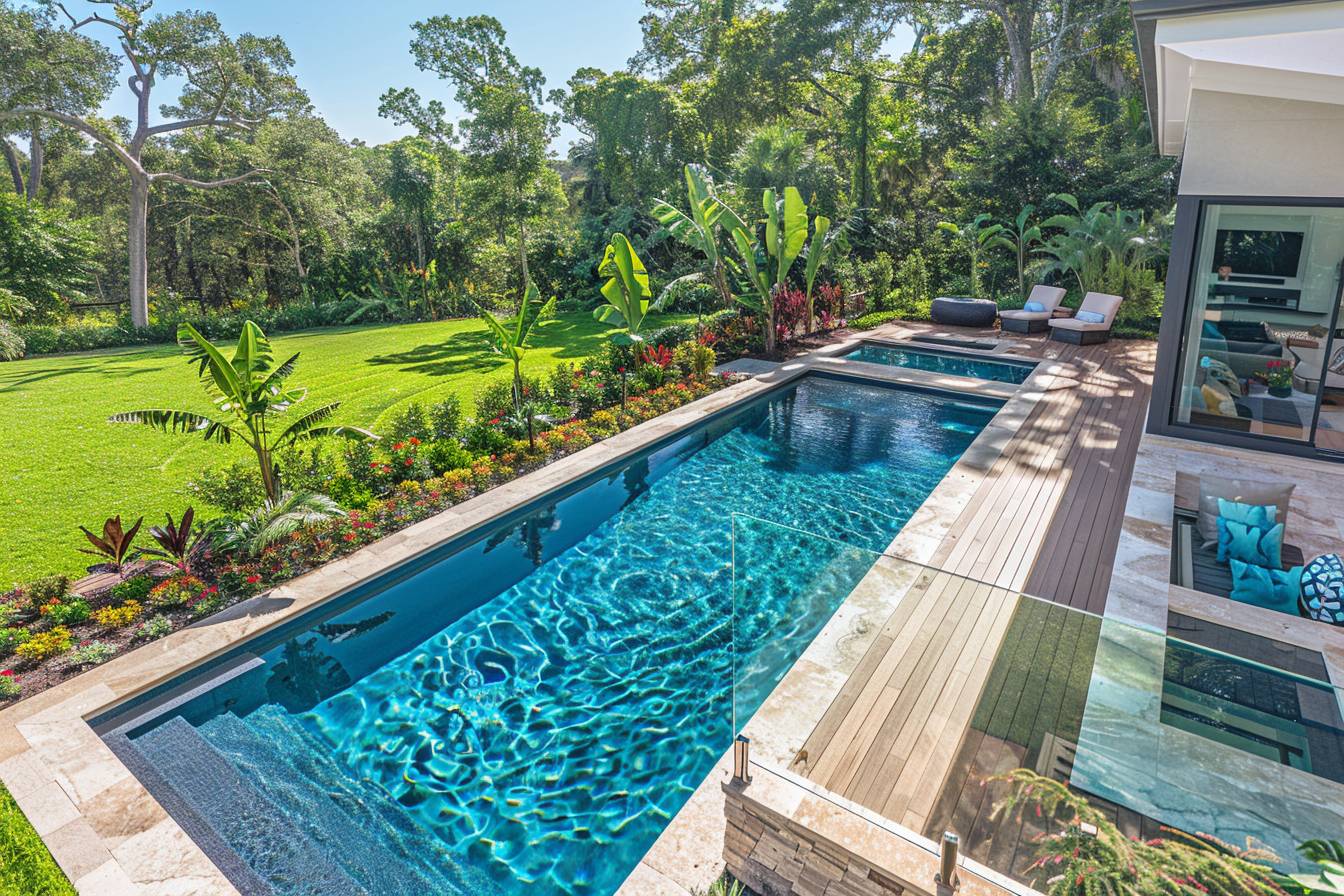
<point>960,311</point>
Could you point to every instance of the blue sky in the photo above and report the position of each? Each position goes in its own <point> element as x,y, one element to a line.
<point>346,54</point>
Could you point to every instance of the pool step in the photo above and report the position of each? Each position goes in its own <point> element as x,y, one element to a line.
<point>253,827</point>
<point>366,831</point>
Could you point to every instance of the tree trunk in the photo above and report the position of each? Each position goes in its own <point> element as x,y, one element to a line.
<point>522,251</point>
<point>15,170</point>
<point>37,156</point>
<point>138,240</point>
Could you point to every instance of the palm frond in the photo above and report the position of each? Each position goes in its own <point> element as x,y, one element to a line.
<point>179,422</point>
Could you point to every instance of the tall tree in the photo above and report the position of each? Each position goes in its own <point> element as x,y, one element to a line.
<point>42,64</point>
<point>507,132</point>
<point>227,83</point>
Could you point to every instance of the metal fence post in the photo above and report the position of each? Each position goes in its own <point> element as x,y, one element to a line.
<point>945,880</point>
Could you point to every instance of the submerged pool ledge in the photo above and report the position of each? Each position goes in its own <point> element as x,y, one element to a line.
<point>104,828</point>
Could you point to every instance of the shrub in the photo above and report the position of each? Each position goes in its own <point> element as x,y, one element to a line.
<point>207,603</point>
<point>447,454</point>
<point>495,401</point>
<point>176,591</point>
<point>153,629</point>
<point>873,319</point>
<point>445,418</point>
<point>234,489</point>
<point>90,653</point>
<point>915,298</point>
<point>12,345</point>
<point>875,279</point>
<point>561,384</point>
<point>9,686</point>
<point>486,438</point>
<point>11,638</point>
<point>120,616</point>
<point>44,645</point>
<point>66,613</point>
<point>42,591</point>
<point>132,589</point>
<point>303,469</point>
<point>411,422</point>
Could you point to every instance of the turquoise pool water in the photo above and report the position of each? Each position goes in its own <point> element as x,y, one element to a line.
<point>950,363</point>
<point>526,712</point>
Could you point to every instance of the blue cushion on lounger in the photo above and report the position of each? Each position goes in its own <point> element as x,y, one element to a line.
<point>1033,306</point>
<point>1251,544</point>
<point>1259,516</point>
<point>1090,317</point>
<point>1277,589</point>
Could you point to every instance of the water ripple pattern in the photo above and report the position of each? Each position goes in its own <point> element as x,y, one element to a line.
<point>549,732</point>
<point>949,363</point>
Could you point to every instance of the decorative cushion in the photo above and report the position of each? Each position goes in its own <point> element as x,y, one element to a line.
<point>1323,590</point>
<point>1244,491</point>
<point>1217,400</point>
<point>1033,306</point>
<point>1091,317</point>
<point>1210,331</point>
<point>1273,588</point>
<point>1336,364</point>
<point>1250,544</point>
<point>1259,515</point>
<point>1216,371</point>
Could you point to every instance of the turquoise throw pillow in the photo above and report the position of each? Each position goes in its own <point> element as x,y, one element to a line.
<point>1258,516</point>
<point>1277,589</point>
<point>1033,306</point>
<point>1091,317</point>
<point>1250,544</point>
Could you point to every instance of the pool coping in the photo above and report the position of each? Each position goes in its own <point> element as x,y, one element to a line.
<point>687,857</point>
<point>110,836</point>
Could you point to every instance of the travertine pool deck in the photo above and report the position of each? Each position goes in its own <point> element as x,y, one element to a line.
<point>111,837</point>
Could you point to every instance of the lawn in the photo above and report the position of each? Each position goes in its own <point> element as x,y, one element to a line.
<point>66,466</point>
<point>26,868</point>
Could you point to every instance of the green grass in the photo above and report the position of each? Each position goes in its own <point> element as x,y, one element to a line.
<point>65,465</point>
<point>26,868</point>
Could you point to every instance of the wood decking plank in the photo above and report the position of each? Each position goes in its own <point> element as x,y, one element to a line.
<point>1045,520</point>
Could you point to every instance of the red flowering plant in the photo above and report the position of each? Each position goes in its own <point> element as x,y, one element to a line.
<point>406,462</point>
<point>10,687</point>
<point>1279,374</point>
<point>790,312</point>
<point>654,362</point>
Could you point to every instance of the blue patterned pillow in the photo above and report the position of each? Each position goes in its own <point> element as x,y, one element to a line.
<point>1323,590</point>
<point>1277,589</point>
<point>1258,516</point>
<point>1033,306</point>
<point>1091,317</point>
<point>1250,544</point>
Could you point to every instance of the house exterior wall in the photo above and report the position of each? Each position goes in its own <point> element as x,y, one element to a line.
<point>1239,145</point>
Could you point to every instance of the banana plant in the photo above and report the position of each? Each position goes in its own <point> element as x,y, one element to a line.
<point>819,251</point>
<point>978,239</point>
<point>1023,237</point>
<point>785,237</point>
<point>510,338</point>
<point>250,392</point>
<point>627,297</point>
<point>699,229</point>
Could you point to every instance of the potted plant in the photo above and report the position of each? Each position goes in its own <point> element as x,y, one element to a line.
<point>1279,377</point>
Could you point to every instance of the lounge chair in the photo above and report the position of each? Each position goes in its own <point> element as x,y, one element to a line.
<point>1023,321</point>
<point>1087,332</point>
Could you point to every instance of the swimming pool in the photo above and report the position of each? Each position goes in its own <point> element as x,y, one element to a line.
<point>526,711</point>
<point>1000,370</point>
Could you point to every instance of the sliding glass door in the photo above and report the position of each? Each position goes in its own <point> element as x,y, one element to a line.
<point>1258,348</point>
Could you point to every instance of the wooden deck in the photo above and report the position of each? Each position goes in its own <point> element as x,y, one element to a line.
<point>898,738</point>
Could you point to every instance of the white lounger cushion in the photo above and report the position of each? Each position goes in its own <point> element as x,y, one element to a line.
<point>1049,296</point>
<point>1101,303</point>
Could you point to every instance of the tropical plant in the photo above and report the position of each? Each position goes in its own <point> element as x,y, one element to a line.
<point>115,542</point>
<point>251,389</point>
<point>510,338</point>
<point>176,540</point>
<point>1084,853</point>
<point>1105,248</point>
<point>699,228</point>
<point>1023,236</point>
<point>978,237</point>
<point>275,520</point>
<point>627,297</point>
<point>819,250</point>
<point>785,236</point>
<point>1329,881</point>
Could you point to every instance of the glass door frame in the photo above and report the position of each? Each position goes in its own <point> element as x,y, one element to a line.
<point>1178,307</point>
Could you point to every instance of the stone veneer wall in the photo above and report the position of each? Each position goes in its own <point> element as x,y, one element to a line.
<point>774,856</point>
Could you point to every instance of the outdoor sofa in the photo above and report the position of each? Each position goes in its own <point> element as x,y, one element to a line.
<point>1024,321</point>
<point>1085,331</point>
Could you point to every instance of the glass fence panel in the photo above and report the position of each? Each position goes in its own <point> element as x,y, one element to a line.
<point>941,703</point>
